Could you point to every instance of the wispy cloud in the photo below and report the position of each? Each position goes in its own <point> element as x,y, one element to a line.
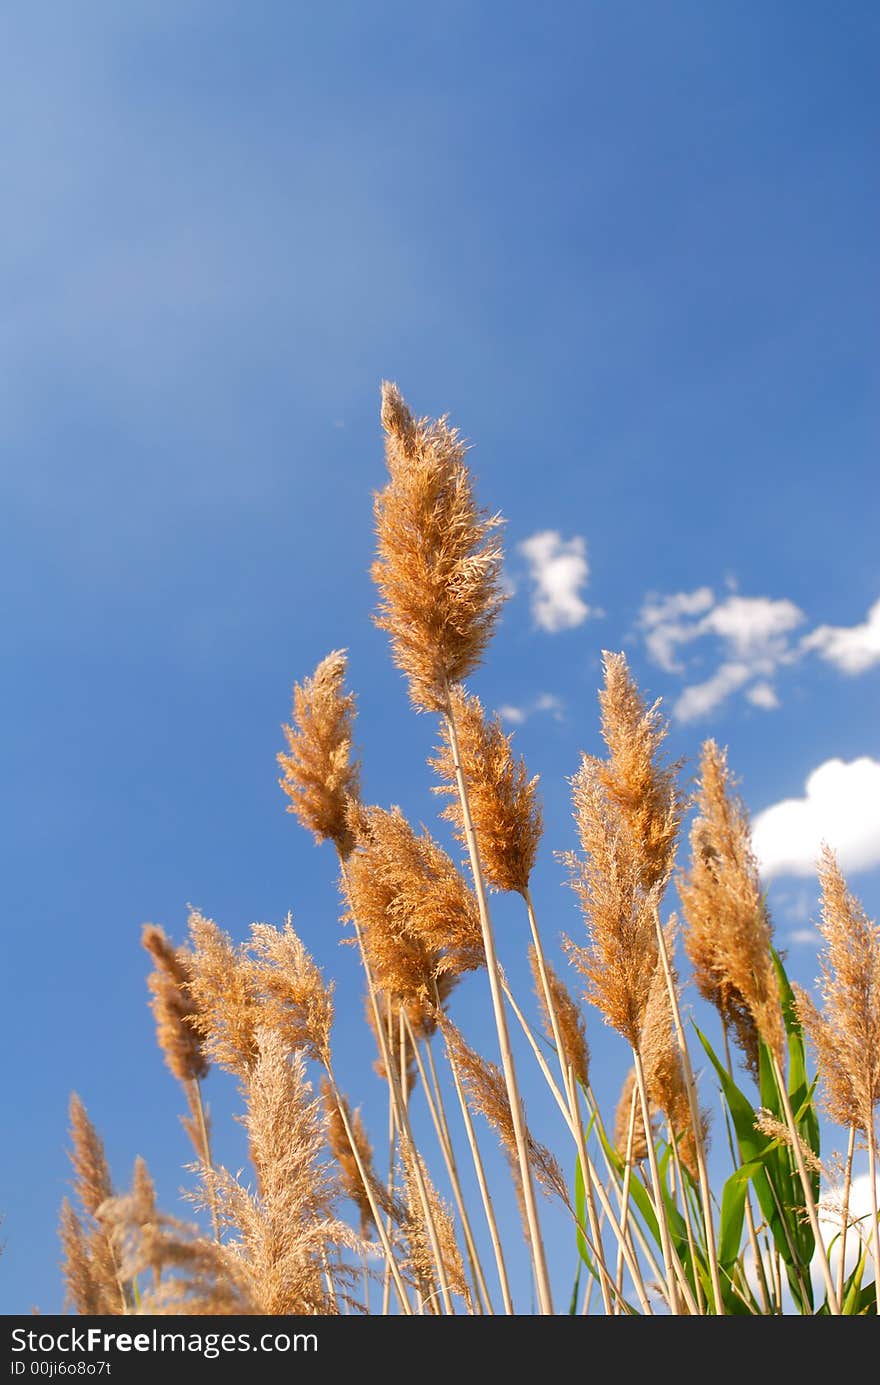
<point>753,640</point>
<point>558,570</point>
<point>840,806</point>
<point>750,633</point>
<point>763,695</point>
<point>701,698</point>
<point>851,648</point>
<point>665,622</point>
<point>548,703</point>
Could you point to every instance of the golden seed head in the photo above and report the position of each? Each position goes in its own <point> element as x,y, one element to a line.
<point>503,799</point>
<point>630,1138</point>
<point>320,774</point>
<point>438,565</point>
<point>572,1031</point>
<point>418,918</point>
<point>729,937</point>
<point>627,809</point>
<point>846,1033</point>
<point>173,1006</point>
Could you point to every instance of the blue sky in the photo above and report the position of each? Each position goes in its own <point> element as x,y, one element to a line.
<point>630,248</point>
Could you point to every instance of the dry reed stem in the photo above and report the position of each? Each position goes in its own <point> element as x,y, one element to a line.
<point>539,1258</point>
<point>677,1088</point>
<point>812,1213</point>
<point>364,897</point>
<point>482,1183</point>
<point>434,1099</point>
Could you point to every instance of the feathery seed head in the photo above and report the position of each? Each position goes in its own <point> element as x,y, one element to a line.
<point>418,917</point>
<point>297,1004</point>
<point>729,935</point>
<point>572,1030</point>
<point>504,801</point>
<point>846,1033</point>
<point>627,809</point>
<point>664,1071</point>
<point>628,1117</point>
<point>438,567</point>
<point>173,1007</point>
<point>225,994</point>
<point>320,773</point>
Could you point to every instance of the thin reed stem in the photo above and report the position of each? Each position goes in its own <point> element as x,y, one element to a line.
<point>688,1221</point>
<point>482,1182</point>
<point>569,1083</point>
<point>812,1213</point>
<point>844,1228</point>
<point>539,1259</point>
<point>627,1174</point>
<point>371,1197</point>
<point>875,1224</point>
<point>198,1107</point>
<point>400,1105</point>
<point>438,1118</point>
<point>659,1207</point>
<point>696,1118</point>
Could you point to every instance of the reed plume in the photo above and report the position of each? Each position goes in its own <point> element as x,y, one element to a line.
<point>297,1004</point>
<point>320,774</point>
<point>226,997</point>
<point>487,1089</point>
<point>284,1229</point>
<point>631,1148</point>
<point>846,1033</point>
<point>349,1164</point>
<point>570,1021</point>
<point>425,1250</point>
<point>729,935</point>
<point>438,567</point>
<point>664,1071</point>
<point>503,799</point>
<point>637,778</point>
<point>173,1008</point>
<point>91,1273</point>
<point>438,572</point>
<point>627,809</point>
<point>418,918</point>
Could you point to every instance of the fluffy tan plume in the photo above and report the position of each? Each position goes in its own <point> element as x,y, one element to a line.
<point>846,1033</point>
<point>438,564</point>
<point>729,936</point>
<point>321,774</point>
<point>503,799</point>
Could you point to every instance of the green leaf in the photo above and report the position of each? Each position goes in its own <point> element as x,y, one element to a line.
<point>573,1306</point>
<point>733,1207</point>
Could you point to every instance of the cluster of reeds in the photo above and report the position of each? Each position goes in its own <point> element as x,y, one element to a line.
<point>321,1225</point>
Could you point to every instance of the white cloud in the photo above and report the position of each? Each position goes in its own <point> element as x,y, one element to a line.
<point>515,715</point>
<point>754,627</point>
<point>559,569</point>
<point>803,936</point>
<point>546,702</point>
<point>752,639</point>
<point>549,702</point>
<point>661,618</point>
<point>852,648</point>
<point>763,695</point>
<point>841,806</point>
<point>702,698</point>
